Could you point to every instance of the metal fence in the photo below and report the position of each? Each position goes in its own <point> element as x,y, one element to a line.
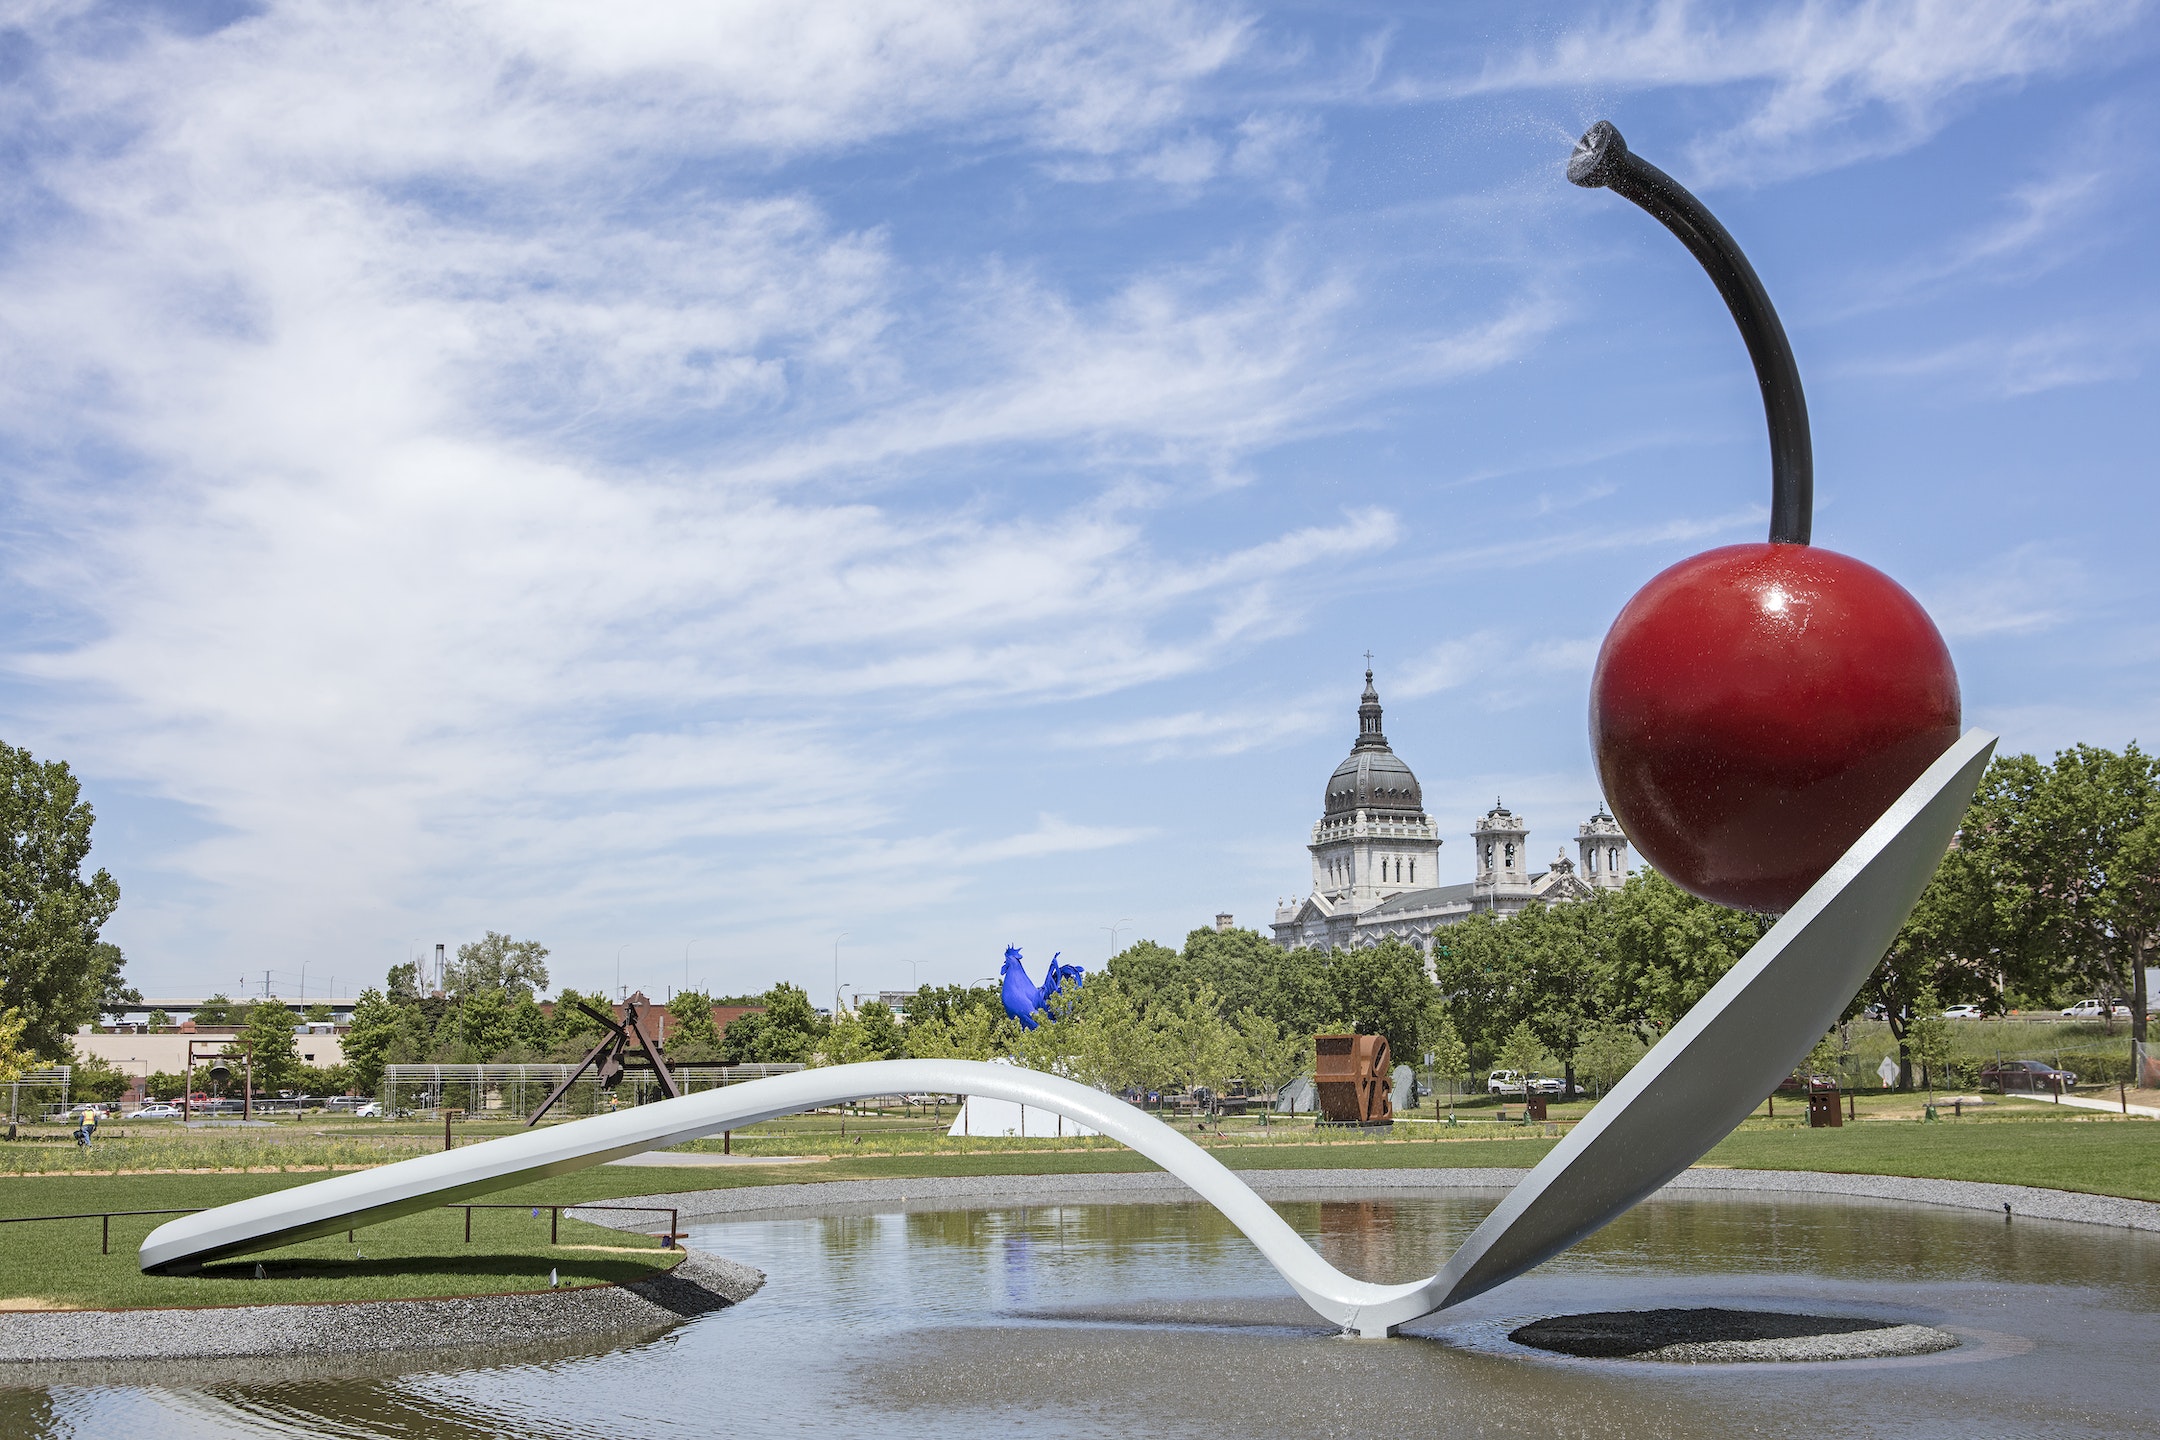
<point>42,1088</point>
<point>515,1091</point>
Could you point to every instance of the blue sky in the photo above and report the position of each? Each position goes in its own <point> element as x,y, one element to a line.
<point>706,479</point>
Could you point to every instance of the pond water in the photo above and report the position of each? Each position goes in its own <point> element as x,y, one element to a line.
<point>1160,1320</point>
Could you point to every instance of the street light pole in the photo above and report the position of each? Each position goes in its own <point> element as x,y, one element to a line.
<point>1123,921</point>
<point>836,972</point>
<point>620,998</point>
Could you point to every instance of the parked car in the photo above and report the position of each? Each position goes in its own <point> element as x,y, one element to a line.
<point>157,1110</point>
<point>369,1111</point>
<point>1547,1085</point>
<point>1964,1012</point>
<point>1797,1085</point>
<point>2008,1075</point>
<point>2096,1010</point>
<point>1505,1082</point>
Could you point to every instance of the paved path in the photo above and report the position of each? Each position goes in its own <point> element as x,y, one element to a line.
<point>669,1159</point>
<point>2112,1107</point>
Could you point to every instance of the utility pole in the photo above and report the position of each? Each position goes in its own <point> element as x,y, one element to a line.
<point>836,972</point>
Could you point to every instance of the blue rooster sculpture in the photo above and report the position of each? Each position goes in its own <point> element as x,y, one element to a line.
<point>1022,996</point>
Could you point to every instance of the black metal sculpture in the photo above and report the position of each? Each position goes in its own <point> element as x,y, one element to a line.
<point>623,1048</point>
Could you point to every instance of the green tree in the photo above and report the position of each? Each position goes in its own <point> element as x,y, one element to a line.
<point>321,1080</point>
<point>217,1010</point>
<point>14,1059</point>
<point>1606,1054</point>
<point>486,1023</point>
<point>1669,948</point>
<point>691,1033</point>
<point>2135,906</point>
<point>163,1085</point>
<point>319,1014</point>
<point>1828,1057</point>
<point>2079,844</point>
<point>1147,969</point>
<point>788,1031</point>
<point>158,1020</point>
<point>1524,1051</point>
<point>1927,1038</point>
<point>1115,1045</point>
<point>269,1030</point>
<point>1381,990</point>
<point>1450,1057</point>
<point>96,1079</point>
<point>376,1026</point>
<point>575,1029</point>
<point>869,1033</point>
<point>499,963</point>
<point>54,970</point>
<point>1562,956</point>
<point>975,1033</point>
<point>1269,1054</point>
<point>1200,1048</point>
<point>944,1003</point>
<point>404,983</point>
<point>1479,986</point>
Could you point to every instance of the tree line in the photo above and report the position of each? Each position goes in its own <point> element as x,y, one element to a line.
<point>2051,891</point>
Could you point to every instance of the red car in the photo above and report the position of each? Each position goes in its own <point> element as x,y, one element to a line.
<point>2008,1075</point>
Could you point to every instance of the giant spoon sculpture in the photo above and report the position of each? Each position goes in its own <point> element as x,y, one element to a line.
<point>1776,727</point>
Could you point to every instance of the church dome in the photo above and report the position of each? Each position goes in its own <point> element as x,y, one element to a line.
<point>1372,778</point>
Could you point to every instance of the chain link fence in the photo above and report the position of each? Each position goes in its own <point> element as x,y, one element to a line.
<point>512,1092</point>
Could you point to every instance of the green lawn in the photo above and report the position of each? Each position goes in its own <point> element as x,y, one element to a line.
<point>418,1255</point>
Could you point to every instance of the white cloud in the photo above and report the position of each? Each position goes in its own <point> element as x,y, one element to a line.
<point>2006,367</point>
<point>1834,80</point>
<point>444,509</point>
<point>1503,669</point>
<point>2031,589</point>
<point>1261,724</point>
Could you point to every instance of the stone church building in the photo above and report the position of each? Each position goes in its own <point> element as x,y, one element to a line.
<point>1376,856</point>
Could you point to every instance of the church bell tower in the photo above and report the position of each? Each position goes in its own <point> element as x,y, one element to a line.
<point>1603,848</point>
<point>1502,847</point>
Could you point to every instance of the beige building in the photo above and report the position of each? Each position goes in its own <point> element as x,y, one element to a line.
<point>135,1051</point>
<point>1376,852</point>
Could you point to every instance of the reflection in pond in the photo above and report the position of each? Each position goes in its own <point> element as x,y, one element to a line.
<point>1111,1319</point>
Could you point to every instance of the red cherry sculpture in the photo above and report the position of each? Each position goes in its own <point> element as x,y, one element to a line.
<point>1757,707</point>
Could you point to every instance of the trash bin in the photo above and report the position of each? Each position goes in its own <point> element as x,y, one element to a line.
<point>1535,1104</point>
<point>1824,1108</point>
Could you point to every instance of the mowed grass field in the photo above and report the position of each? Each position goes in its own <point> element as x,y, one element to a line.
<point>58,1263</point>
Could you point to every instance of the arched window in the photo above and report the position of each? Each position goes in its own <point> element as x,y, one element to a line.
<point>1615,866</point>
<point>1593,860</point>
<point>1488,854</point>
<point>1511,855</point>
<point>1413,870</point>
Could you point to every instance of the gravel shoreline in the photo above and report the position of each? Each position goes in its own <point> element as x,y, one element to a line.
<point>41,1347</point>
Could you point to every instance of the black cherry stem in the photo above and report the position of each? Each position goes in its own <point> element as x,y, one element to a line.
<point>1602,158</point>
